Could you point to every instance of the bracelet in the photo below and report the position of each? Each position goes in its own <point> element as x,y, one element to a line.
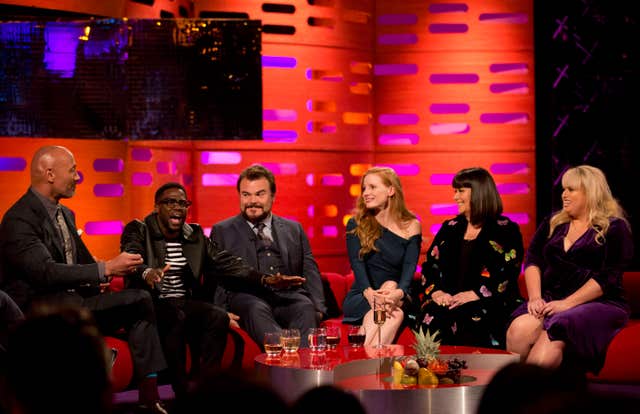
<point>145,273</point>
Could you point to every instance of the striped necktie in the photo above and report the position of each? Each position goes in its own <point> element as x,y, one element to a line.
<point>266,241</point>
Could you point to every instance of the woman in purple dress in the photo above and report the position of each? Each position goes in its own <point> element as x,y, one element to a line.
<point>573,273</point>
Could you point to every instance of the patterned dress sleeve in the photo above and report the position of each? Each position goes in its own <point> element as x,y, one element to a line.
<point>431,279</point>
<point>502,261</point>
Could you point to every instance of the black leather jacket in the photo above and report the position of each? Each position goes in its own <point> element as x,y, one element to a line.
<point>207,263</point>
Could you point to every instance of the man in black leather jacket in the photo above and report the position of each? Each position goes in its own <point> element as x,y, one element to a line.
<point>181,269</point>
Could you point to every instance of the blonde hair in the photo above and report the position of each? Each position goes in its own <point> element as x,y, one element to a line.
<point>600,203</point>
<point>367,229</point>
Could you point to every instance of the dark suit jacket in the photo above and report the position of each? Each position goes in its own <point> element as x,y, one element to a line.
<point>235,235</point>
<point>207,263</point>
<point>32,255</point>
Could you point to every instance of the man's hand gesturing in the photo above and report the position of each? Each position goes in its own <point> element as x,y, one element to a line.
<point>154,275</point>
<point>279,281</point>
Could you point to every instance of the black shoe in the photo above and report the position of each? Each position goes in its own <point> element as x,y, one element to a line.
<point>157,407</point>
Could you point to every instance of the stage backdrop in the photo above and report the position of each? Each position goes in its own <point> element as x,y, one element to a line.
<point>425,87</point>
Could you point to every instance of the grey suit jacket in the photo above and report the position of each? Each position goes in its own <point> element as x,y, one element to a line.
<point>235,235</point>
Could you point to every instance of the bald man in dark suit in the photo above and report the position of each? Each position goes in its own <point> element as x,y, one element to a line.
<point>43,259</point>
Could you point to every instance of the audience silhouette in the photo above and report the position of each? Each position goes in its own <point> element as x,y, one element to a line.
<point>327,398</point>
<point>238,389</point>
<point>524,388</point>
<point>57,362</point>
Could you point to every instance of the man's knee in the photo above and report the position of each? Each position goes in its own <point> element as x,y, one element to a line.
<point>139,296</point>
<point>217,317</point>
<point>141,300</point>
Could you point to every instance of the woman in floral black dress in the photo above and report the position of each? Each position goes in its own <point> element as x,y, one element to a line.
<point>469,282</point>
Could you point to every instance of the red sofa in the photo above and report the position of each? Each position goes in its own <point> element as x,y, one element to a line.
<point>239,352</point>
<point>622,366</point>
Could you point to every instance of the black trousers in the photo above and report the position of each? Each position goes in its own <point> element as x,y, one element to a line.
<point>131,310</point>
<point>200,324</point>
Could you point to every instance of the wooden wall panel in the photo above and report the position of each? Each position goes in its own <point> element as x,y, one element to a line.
<point>418,95</point>
<point>313,189</point>
<point>109,8</point>
<point>113,8</point>
<point>91,209</point>
<point>322,100</point>
<point>337,75</point>
<point>150,166</point>
<point>473,25</point>
<point>339,23</point>
<point>454,88</point>
<point>427,184</point>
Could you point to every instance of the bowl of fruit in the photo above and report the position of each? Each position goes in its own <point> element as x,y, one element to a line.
<point>426,367</point>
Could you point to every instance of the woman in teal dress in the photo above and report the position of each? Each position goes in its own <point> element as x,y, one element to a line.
<point>383,243</point>
<point>469,283</point>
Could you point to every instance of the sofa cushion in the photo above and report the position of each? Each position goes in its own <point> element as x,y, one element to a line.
<point>122,368</point>
<point>334,293</point>
<point>622,364</point>
<point>631,285</point>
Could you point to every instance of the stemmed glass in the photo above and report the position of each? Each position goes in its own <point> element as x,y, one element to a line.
<point>379,317</point>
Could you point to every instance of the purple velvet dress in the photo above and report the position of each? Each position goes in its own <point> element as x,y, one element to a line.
<point>587,329</point>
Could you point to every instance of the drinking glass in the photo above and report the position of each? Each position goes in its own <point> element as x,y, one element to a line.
<point>272,344</point>
<point>290,340</point>
<point>379,317</point>
<point>333,336</point>
<point>317,339</point>
<point>356,336</point>
<point>317,360</point>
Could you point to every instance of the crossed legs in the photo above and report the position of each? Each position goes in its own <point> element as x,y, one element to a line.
<point>387,331</point>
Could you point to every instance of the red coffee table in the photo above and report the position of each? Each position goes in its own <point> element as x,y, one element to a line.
<point>367,373</point>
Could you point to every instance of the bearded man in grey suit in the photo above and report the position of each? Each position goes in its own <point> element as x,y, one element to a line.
<point>271,244</point>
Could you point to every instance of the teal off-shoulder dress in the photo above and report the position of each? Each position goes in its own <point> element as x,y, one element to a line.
<point>396,259</point>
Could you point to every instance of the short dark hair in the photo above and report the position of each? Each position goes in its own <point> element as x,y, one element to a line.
<point>485,199</point>
<point>166,186</point>
<point>255,172</point>
<point>58,361</point>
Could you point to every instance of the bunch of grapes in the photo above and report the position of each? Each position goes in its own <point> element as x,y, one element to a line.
<point>457,363</point>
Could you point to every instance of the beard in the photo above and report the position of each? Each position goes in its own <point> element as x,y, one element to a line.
<point>69,192</point>
<point>255,219</point>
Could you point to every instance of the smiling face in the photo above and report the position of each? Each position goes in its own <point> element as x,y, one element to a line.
<point>256,199</point>
<point>171,215</point>
<point>574,200</point>
<point>375,193</point>
<point>462,197</point>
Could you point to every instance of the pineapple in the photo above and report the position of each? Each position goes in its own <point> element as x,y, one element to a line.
<point>426,346</point>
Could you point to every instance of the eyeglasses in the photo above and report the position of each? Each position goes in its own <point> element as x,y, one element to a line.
<point>172,202</point>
